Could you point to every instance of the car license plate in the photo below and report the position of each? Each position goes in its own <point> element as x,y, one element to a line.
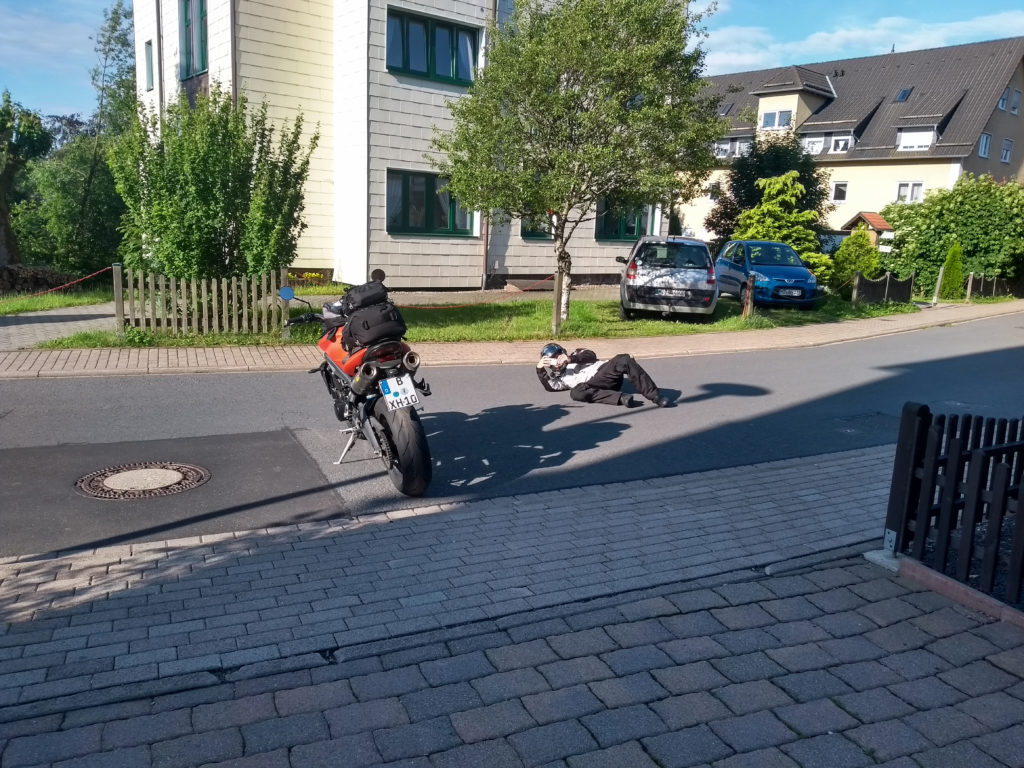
<point>672,293</point>
<point>790,292</point>
<point>399,392</point>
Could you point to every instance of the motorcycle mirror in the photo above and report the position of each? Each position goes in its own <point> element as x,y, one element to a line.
<point>286,292</point>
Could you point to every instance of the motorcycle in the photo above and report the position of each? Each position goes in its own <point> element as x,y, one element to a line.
<point>374,390</point>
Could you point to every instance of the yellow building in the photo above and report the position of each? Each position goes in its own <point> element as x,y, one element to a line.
<point>886,128</point>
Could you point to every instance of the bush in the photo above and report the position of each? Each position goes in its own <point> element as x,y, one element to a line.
<point>855,254</point>
<point>952,288</point>
<point>821,265</point>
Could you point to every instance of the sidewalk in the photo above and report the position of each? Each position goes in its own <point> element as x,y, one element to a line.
<point>632,624</point>
<point>35,363</point>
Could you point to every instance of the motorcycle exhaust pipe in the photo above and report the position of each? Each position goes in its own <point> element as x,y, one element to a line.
<point>411,361</point>
<point>365,378</point>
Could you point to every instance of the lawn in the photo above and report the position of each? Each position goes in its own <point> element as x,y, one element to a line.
<point>15,305</point>
<point>513,320</point>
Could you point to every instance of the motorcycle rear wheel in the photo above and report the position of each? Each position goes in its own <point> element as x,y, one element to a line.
<point>406,454</point>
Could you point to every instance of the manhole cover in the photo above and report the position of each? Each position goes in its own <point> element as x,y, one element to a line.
<point>142,481</point>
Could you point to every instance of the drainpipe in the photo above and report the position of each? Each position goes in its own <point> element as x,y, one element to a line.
<point>159,58</point>
<point>485,227</point>
<point>232,37</point>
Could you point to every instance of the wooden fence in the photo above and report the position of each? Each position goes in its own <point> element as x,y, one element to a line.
<point>979,285</point>
<point>217,305</point>
<point>886,288</point>
<point>955,498</point>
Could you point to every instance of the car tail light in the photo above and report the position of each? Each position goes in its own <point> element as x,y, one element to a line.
<point>711,274</point>
<point>631,271</point>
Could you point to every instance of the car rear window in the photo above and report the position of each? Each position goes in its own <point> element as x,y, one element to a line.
<point>780,255</point>
<point>674,256</point>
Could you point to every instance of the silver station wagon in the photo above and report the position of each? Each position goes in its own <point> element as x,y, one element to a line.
<point>669,275</point>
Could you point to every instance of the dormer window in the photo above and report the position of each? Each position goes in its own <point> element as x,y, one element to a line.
<point>841,144</point>
<point>915,139</point>
<point>775,121</point>
<point>813,144</point>
<point>904,94</point>
<point>726,109</point>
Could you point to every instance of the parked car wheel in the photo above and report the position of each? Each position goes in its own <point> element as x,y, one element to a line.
<point>625,314</point>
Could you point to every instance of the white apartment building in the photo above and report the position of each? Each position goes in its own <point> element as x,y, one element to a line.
<point>375,77</point>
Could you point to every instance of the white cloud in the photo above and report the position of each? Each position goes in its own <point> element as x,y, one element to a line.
<point>738,49</point>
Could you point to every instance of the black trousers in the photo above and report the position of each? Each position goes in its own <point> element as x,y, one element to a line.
<point>605,385</point>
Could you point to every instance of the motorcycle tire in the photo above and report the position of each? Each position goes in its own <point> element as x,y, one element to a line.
<point>406,453</point>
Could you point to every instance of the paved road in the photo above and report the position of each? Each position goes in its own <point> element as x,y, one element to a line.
<point>621,624</point>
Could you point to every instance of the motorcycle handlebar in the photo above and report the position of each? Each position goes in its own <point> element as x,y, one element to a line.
<point>308,317</point>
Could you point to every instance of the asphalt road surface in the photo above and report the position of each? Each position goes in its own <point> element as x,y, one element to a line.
<point>269,439</point>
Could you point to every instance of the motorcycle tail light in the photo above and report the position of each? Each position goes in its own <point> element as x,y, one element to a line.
<point>386,353</point>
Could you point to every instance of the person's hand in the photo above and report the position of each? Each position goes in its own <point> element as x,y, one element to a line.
<point>548,363</point>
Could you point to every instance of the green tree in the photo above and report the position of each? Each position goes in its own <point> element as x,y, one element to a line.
<point>984,216</point>
<point>579,102</point>
<point>71,216</point>
<point>770,155</point>
<point>22,138</point>
<point>208,193</point>
<point>778,215</point>
<point>856,254</point>
<point>952,287</point>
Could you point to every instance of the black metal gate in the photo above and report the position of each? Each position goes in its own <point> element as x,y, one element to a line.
<point>955,498</point>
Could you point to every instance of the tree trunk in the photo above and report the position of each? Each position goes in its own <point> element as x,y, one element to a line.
<point>8,244</point>
<point>563,282</point>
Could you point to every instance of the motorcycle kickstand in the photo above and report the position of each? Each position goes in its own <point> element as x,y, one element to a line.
<point>351,431</point>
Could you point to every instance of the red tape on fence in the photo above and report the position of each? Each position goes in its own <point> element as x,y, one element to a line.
<point>477,304</point>
<point>59,287</point>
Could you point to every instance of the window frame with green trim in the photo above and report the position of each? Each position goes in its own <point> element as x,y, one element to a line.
<point>193,38</point>
<point>403,217</point>
<point>409,52</point>
<point>641,219</point>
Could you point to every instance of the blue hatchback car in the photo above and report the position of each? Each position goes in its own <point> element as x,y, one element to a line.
<point>780,277</point>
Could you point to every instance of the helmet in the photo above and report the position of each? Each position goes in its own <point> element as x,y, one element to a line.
<point>553,350</point>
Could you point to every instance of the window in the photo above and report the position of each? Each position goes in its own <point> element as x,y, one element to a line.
<point>983,145</point>
<point>840,144</point>
<point>149,65</point>
<point>839,192</point>
<point>715,190</point>
<point>726,109</point>
<point>1003,99</point>
<point>813,144</point>
<point>773,121</point>
<point>614,223</point>
<point>909,191</point>
<point>904,94</point>
<point>1015,104</point>
<point>1004,156</point>
<point>193,34</point>
<point>418,203</point>
<point>429,48</point>
<point>535,228</point>
<point>722,148</point>
<point>914,139</point>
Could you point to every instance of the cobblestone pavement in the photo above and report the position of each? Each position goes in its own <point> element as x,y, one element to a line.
<point>617,625</point>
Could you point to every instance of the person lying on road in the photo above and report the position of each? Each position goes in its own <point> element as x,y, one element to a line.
<point>590,380</point>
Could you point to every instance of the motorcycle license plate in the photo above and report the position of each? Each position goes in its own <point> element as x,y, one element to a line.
<point>399,392</point>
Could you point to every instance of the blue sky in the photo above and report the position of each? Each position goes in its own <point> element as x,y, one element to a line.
<point>46,50</point>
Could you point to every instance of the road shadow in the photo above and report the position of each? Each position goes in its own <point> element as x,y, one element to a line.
<point>497,446</point>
